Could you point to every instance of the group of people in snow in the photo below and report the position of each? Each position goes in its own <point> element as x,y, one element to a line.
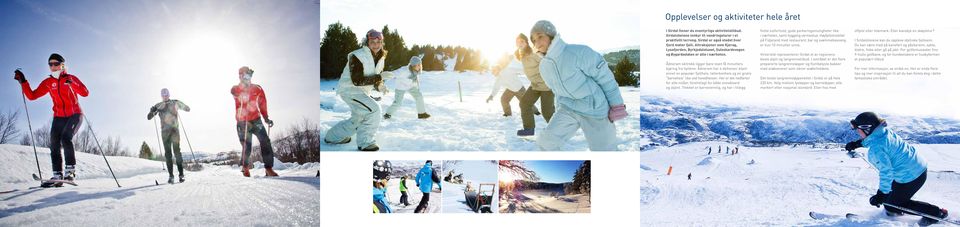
<point>573,83</point>
<point>64,89</point>
<point>425,180</point>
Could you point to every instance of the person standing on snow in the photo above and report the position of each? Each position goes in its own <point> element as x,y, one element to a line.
<point>360,76</point>
<point>168,110</point>
<point>380,204</point>
<point>902,170</point>
<point>538,88</point>
<point>425,179</point>
<point>587,95</point>
<point>67,115</point>
<point>506,72</point>
<point>408,79</point>
<point>251,103</point>
<point>403,191</point>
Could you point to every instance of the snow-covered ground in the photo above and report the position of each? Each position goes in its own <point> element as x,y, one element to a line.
<point>470,125</point>
<point>474,173</point>
<point>215,196</point>
<point>777,185</point>
<point>545,201</point>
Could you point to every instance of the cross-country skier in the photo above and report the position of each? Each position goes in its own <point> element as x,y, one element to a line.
<point>168,109</point>
<point>251,103</point>
<point>538,88</point>
<point>67,115</point>
<point>408,80</point>
<point>360,76</point>
<point>425,179</point>
<point>587,96</point>
<point>902,170</point>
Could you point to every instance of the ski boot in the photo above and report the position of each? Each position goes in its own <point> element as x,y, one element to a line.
<point>246,171</point>
<point>525,132</point>
<point>182,179</point>
<point>506,115</point>
<point>170,180</point>
<point>347,140</point>
<point>925,221</point>
<point>271,173</point>
<point>56,176</point>
<point>423,116</point>
<point>71,173</point>
<point>372,147</point>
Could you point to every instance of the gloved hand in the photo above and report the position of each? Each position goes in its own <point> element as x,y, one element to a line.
<point>617,112</point>
<point>853,145</point>
<point>17,75</point>
<point>877,200</point>
<point>68,81</point>
<point>489,98</point>
<point>269,122</point>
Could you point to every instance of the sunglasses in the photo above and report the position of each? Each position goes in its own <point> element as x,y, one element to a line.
<point>51,64</point>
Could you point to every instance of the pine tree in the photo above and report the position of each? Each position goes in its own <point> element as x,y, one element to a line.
<point>623,72</point>
<point>338,41</point>
<point>145,152</point>
<point>581,179</point>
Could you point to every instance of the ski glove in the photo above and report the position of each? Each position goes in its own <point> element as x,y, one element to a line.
<point>489,98</point>
<point>617,112</point>
<point>269,122</point>
<point>854,145</point>
<point>877,200</point>
<point>17,75</point>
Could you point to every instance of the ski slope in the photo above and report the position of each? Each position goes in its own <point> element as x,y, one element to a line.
<point>414,195</point>
<point>470,125</point>
<point>778,185</point>
<point>215,196</point>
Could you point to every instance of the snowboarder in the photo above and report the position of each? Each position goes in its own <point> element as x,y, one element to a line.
<point>507,71</point>
<point>407,80</point>
<point>902,170</point>
<point>587,96</point>
<point>360,76</point>
<point>251,103</point>
<point>425,179</point>
<point>380,204</point>
<point>538,88</point>
<point>67,115</point>
<point>403,191</point>
<point>168,110</point>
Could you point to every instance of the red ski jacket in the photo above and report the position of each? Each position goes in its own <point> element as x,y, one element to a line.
<point>63,91</point>
<point>250,102</point>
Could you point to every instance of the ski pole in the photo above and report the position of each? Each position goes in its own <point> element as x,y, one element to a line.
<point>188,140</point>
<point>159,144</point>
<point>30,127</point>
<point>89,127</point>
<point>921,214</point>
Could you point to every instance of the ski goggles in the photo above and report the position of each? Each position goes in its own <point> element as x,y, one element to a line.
<point>55,63</point>
<point>374,34</point>
<point>862,127</point>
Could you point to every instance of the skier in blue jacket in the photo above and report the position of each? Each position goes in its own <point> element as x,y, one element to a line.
<point>587,96</point>
<point>425,179</point>
<point>380,204</point>
<point>902,170</point>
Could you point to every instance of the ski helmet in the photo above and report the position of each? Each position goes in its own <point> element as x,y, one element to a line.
<point>164,93</point>
<point>866,121</point>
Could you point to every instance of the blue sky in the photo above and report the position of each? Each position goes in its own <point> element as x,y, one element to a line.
<point>126,51</point>
<point>555,171</point>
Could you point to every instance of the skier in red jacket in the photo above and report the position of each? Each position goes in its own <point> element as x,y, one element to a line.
<point>67,115</point>
<point>251,103</point>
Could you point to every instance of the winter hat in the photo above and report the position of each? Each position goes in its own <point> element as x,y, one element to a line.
<point>867,121</point>
<point>430,162</point>
<point>165,93</point>
<point>545,27</point>
<point>415,60</point>
<point>56,56</point>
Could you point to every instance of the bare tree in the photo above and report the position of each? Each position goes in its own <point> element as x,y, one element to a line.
<point>41,135</point>
<point>8,126</point>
